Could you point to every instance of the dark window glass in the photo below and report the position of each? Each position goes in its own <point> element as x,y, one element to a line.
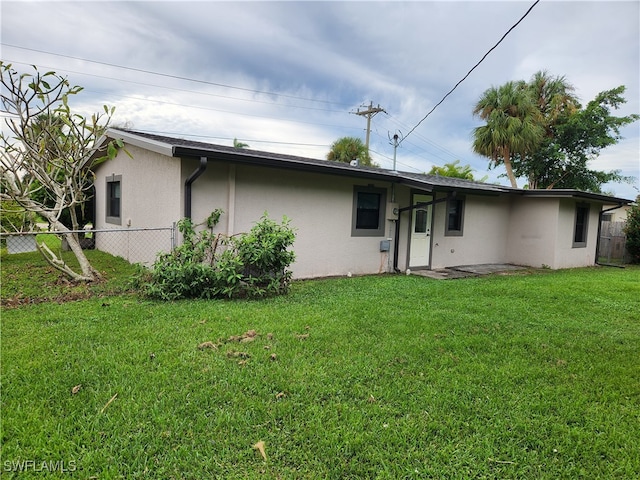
<point>368,211</point>
<point>113,208</point>
<point>581,228</point>
<point>421,221</point>
<point>455,214</point>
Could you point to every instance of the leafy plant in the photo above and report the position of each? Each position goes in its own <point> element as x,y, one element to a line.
<point>632,231</point>
<point>211,265</point>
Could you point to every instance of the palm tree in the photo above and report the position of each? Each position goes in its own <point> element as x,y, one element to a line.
<point>554,98</point>
<point>347,149</point>
<point>513,125</point>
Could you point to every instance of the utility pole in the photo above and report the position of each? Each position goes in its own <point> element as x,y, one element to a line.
<point>369,113</point>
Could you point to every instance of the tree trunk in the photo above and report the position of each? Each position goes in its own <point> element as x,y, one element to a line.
<point>89,274</point>
<point>509,168</point>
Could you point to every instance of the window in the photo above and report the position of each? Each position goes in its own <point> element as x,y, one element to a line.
<point>420,223</point>
<point>581,226</point>
<point>114,197</point>
<point>455,215</point>
<point>368,212</point>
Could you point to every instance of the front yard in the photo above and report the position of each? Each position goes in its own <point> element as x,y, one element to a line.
<point>530,375</point>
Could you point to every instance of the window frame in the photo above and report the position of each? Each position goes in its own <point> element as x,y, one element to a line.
<point>382,202</point>
<point>581,227</point>
<point>454,232</point>
<point>109,217</point>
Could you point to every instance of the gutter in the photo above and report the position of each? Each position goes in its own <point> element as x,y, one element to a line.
<point>189,182</point>
<point>600,230</point>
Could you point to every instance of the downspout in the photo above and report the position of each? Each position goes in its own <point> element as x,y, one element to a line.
<point>600,230</point>
<point>189,182</point>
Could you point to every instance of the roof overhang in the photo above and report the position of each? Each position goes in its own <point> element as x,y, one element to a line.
<point>577,194</point>
<point>180,148</point>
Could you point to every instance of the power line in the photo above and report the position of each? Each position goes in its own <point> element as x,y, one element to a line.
<point>171,88</point>
<point>168,75</point>
<point>472,69</point>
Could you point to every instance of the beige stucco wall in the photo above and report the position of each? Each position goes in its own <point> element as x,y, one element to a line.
<point>319,207</point>
<point>484,239</point>
<point>532,231</point>
<point>566,255</point>
<point>151,198</point>
<point>541,233</point>
<point>497,229</point>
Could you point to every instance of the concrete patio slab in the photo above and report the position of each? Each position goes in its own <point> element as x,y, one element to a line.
<point>465,271</point>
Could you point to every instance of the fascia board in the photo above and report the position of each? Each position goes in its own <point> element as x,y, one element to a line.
<point>132,139</point>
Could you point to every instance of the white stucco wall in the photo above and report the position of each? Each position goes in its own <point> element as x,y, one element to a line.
<point>542,230</point>
<point>484,238</point>
<point>533,231</point>
<point>319,207</point>
<point>566,255</point>
<point>150,198</point>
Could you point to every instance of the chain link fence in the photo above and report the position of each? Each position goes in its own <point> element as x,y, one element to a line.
<point>136,245</point>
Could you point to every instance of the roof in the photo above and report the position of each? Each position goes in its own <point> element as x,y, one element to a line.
<point>183,148</point>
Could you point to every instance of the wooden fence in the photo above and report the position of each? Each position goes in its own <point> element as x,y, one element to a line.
<point>612,246</point>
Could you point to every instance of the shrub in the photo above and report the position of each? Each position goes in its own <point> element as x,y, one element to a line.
<point>632,231</point>
<point>209,265</point>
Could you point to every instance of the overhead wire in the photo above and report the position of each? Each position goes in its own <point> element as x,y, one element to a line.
<point>209,94</point>
<point>200,81</point>
<point>472,69</point>
<point>168,75</point>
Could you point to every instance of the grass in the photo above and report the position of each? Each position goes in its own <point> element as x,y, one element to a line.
<point>520,376</point>
<point>28,278</point>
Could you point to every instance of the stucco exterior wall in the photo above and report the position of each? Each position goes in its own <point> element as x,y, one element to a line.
<point>319,207</point>
<point>484,237</point>
<point>566,255</point>
<point>533,231</point>
<point>150,198</point>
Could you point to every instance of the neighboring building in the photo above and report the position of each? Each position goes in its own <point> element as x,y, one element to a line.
<point>615,213</point>
<point>349,219</point>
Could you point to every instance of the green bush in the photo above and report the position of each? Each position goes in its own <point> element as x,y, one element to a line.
<point>210,265</point>
<point>632,231</point>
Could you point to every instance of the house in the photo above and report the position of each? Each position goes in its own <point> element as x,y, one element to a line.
<point>348,219</point>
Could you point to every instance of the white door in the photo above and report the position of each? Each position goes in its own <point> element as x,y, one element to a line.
<point>420,245</point>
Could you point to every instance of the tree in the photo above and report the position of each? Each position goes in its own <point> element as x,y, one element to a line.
<point>239,144</point>
<point>47,156</point>
<point>454,170</point>
<point>574,137</point>
<point>347,149</point>
<point>570,135</point>
<point>632,231</point>
<point>513,125</point>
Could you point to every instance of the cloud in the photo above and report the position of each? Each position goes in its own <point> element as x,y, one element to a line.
<point>287,76</point>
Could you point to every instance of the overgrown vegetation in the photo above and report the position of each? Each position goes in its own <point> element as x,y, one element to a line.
<point>632,231</point>
<point>211,265</point>
<point>530,375</point>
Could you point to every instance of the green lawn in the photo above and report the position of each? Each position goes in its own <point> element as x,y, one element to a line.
<point>532,376</point>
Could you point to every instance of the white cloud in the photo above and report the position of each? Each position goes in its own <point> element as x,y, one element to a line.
<point>324,59</point>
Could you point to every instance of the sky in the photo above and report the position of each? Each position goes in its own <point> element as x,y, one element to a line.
<point>290,77</point>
